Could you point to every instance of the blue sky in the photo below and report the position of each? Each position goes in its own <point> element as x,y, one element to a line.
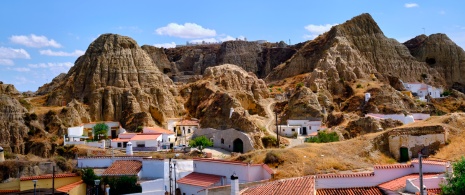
<point>41,39</point>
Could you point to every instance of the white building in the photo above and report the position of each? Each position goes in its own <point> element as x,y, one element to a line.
<point>78,135</point>
<point>405,119</point>
<point>151,138</point>
<point>301,127</point>
<point>184,128</point>
<point>209,173</point>
<point>422,90</point>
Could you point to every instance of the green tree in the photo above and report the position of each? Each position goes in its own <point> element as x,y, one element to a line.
<point>455,182</point>
<point>88,176</point>
<point>100,129</point>
<point>323,137</point>
<point>200,142</point>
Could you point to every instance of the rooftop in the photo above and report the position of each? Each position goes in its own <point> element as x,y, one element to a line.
<point>143,137</point>
<point>268,169</point>
<point>69,187</point>
<point>123,167</point>
<point>293,186</point>
<point>200,179</point>
<point>400,183</point>
<point>189,123</point>
<point>49,176</point>
<point>350,191</point>
<point>158,130</point>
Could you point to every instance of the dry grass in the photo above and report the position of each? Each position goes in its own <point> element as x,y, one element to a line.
<point>39,107</point>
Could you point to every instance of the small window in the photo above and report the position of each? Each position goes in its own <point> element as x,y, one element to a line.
<point>183,128</point>
<point>284,129</point>
<point>188,130</point>
<point>293,129</point>
<point>222,141</point>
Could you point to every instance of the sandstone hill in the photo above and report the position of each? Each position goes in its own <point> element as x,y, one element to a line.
<point>222,88</point>
<point>443,55</point>
<point>354,50</point>
<point>119,81</point>
<point>12,125</point>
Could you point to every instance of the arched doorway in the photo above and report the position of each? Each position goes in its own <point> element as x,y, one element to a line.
<point>238,145</point>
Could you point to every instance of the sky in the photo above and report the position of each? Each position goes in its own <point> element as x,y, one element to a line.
<point>41,39</point>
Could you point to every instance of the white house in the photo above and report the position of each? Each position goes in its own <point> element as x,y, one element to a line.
<point>184,128</point>
<point>78,135</point>
<point>209,173</point>
<point>168,137</point>
<point>151,138</point>
<point>301,127</point>
<point>422,90</point>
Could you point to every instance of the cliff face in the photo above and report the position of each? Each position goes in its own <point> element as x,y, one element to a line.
<point>222,88</point>
<point>443,55</point>
<point>353,50</point>
<point>12,125</point>
<point>119,82</point>
<point>250,56</point>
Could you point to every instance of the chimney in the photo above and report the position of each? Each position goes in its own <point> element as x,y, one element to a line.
<point>129,149</point>
<point>234,184</point>
<point>2,155</point>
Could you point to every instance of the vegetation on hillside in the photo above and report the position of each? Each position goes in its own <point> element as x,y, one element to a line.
<point>323,137</point>
<point>455,184</point>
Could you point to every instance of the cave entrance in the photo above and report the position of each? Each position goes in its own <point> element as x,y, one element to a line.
<point>404,154</point>
<point>238,146</point>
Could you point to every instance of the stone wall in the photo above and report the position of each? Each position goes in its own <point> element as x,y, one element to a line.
<point>228,137</point>
<point>415,139</point>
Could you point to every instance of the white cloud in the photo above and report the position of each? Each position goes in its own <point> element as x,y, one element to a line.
<point>22,69</point>
<point>49,52</point>
<point>188,31</point>
<point>6,62</point>
<point>227,38</point>
<point>34,41</point>
<point>10,53</point>
<point>165,45</point>
<point>411,5</point>
<point>51,65</point>
<point>19,80</point>
<point>316,30</point>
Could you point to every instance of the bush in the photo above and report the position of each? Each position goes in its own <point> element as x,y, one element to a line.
<point>200,142</point>
<point>273,158</point>
<point>323,137</point>
<point>269,141</point>
<point>100,129</point>
<point>359,85</point>
<point>299,85</point>
<point>63,164</point>
<point>446,93</point>
<point>455,182</point>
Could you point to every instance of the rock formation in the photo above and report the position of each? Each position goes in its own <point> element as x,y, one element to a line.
<point>222,88</point>
<point>12,125</point>
<point>442,54</point>
<point>353,50</point>
<point>118,81</point>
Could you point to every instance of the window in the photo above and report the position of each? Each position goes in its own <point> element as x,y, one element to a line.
<point>284,130</point>
<point>222,141</point>
<point>188,130</point>
<point>293,129</point>
<point>183,128</point>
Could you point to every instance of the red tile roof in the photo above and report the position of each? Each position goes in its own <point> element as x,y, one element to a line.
<point>189,123</point>
<point>431,161</point>
<point>345,175</point>
<point>143,137</point>
<point>393,166</point>
<point>200,179</point>
<point>69,187</point>
<point>399,183</point>
<point>123,167</point>
<point>8,191</point>
<point>350,191</point>
<point>159,130</point>
<point>294,186</point>
<point>49,176</point>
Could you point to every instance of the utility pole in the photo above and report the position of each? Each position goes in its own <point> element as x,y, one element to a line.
<point>421,172</point>
<point>53,180</point>
<point>171,176</point>
<point>277,135</point>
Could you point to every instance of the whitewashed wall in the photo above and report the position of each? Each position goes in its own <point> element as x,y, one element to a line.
<point>77,131</point>
<point>410,141</point>
<point>244,172</point>
<point>287,130</point>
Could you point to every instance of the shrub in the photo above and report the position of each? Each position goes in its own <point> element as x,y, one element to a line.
<point>446,93</point>
<point>323,137</point>
<point>359,85</point>
<point>299,85</point>
<point>100,129</point>
<point>455,182</point>
<point>294,135</point>
<point>200,142</point>
<point>273,158</point>
<point>269,141</point>
<point>25,103</point>
<point>63,164</point>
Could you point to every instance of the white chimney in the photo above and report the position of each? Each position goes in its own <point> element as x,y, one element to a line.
<point>230,112</point>
<point>129,149</point>
<point>234,184</point>
<point>367,97</point>
<point>2,155</point>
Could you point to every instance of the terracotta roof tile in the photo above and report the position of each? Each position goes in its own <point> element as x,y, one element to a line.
<point>345,175</point>
<point>393,166</point>
<point>294,186</point>
<point>399,183</point>
<point>48,176</point>
<point>143,137</point>
<point>189,123</point>
<point>200,179</point>
<point>350,191</point>
<point>123,167</point>
<point>8,191</point>
<point>159,130</point>
<point>69,187</point>
<point>431,161</point>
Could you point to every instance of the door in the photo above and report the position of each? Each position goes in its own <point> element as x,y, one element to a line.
<point>404,154</point>
<point>113,134</point>
<point>238,146</point>
<point>304,130</point>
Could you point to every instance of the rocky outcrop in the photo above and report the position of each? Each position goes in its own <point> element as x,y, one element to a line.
<point>442,54</point>
<point>365,125</point>
<point>49,87</point>
<point>8,89</point>
<point>302,105</point>
<point>118,81</point>
<point>160,59</point>
<point>74,114</point>
<point>222,88</point>
<point>353,50</point>
<point>12,125</point>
